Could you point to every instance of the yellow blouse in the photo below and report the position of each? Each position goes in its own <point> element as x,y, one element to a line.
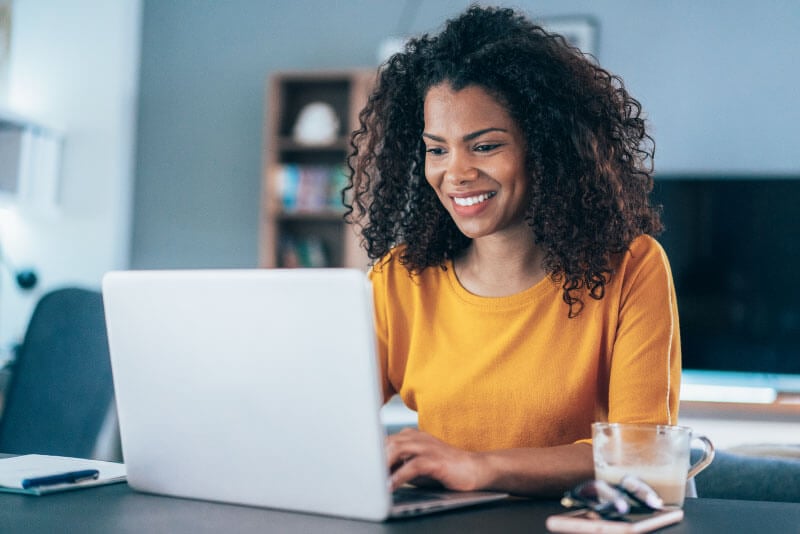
<point>493,373</point>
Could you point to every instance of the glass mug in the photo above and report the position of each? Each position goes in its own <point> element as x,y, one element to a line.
<point>657,454</point>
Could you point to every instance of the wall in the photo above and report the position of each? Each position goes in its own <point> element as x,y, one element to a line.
<point>714,77</point>
<point>74,65</point>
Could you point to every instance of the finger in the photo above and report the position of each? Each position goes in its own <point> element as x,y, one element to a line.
<point>413,469</point>
<point>395,454</point>
<point>398,479</point>
<point>405,447</point>
<point>405,436</point>
<point>395,465</point>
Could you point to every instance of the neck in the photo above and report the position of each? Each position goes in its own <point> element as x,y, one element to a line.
<point>499,266</point>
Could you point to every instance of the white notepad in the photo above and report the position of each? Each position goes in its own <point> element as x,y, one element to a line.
<point>14,470</point>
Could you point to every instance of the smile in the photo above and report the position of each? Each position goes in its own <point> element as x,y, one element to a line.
<point>471,201</point>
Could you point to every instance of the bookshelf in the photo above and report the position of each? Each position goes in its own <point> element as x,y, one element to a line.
<point>301,215</point>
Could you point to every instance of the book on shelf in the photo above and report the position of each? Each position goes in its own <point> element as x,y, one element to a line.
<point>311,188</point>
<point>306,251</point>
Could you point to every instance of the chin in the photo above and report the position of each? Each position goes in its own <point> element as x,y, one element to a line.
<point>473,233</point>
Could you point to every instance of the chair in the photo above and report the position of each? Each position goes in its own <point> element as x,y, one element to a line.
<point>60,395</point>
<point>751,478</point>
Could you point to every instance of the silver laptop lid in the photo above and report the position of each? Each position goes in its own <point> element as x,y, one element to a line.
<point>255,387</point>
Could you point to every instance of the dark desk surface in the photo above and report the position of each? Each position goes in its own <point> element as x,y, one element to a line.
<point>117,508</point>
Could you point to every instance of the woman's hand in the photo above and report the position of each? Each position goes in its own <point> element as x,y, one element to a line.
<point>421,459</point>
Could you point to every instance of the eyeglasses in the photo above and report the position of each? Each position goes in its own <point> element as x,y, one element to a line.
<point>609,501</point>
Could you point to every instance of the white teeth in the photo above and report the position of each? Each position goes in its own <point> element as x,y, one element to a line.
<point>471,201</point>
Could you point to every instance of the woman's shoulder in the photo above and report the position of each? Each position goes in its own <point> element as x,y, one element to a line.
<point>644,255</point>
<point>392,270</point>
<point>389,267</point>
<point>388,263</point>
<point>645,248</point>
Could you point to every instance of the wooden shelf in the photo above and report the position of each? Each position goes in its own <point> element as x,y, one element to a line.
<point>285,144</point>
<point>326,215</point>
<point>293,172</point>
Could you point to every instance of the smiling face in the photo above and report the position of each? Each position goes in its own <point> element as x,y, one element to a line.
<point>475,160</point>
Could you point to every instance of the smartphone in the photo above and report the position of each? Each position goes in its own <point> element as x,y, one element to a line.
<point>587,521</point>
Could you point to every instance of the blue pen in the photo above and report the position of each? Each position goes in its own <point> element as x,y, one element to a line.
<point>70,477</point>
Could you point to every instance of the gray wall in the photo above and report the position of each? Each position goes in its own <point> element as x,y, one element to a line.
<point>714,77</point>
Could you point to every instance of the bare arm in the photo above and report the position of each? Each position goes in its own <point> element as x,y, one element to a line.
<point>541,472</point>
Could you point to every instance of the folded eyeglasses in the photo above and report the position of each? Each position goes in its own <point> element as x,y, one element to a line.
<point>608,501</point>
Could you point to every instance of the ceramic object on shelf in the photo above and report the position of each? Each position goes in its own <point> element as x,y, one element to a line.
<point>317,124</point>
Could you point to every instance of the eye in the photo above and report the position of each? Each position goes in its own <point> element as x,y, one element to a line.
<point>435,151</point>
<point>487,147</point>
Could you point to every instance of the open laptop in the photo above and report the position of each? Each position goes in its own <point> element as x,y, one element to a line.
<point>255,387</point>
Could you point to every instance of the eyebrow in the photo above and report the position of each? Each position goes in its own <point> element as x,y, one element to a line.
<point>468,137</point>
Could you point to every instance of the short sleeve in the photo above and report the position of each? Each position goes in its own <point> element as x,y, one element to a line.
<point>644,382</point>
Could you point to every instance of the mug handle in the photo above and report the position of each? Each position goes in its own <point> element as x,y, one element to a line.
<point>705,460</point>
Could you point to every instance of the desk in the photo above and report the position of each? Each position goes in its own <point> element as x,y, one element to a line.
<point>117,508</point>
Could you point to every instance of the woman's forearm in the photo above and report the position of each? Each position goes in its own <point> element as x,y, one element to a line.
<point>542,472</point>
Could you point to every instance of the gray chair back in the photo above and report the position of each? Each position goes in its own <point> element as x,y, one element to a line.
<point>750,478</point>
<point>60,390</point>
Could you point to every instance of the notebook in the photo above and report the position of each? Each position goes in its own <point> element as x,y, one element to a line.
<point>257,387</point>
<point>40,474</point>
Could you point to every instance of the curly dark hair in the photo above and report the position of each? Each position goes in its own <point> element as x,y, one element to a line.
<point>588,156</point>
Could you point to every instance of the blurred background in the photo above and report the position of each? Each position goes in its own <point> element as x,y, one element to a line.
<point>159,110</point>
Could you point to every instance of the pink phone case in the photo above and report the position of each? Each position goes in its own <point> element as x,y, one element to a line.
<point>582,521</point>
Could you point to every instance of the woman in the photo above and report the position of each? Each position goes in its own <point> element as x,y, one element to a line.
<point>501,180</point>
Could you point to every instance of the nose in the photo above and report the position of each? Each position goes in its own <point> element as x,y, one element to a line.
<point>460,169</point>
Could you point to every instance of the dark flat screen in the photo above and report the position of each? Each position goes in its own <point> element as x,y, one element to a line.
<point>733,247</point>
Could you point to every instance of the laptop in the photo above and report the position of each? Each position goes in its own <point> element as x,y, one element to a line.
<point>256,387</point>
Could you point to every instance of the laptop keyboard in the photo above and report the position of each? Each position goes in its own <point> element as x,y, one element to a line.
<point>413,495</point>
